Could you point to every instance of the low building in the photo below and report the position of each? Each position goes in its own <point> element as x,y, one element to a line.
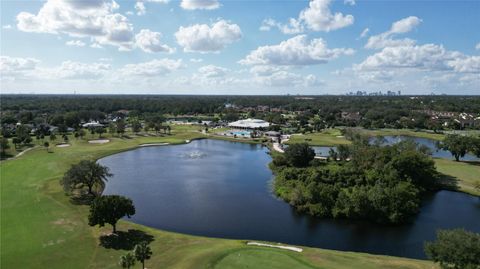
<point>273,135</point>
<point>249,124</point>
<point>92,124</point>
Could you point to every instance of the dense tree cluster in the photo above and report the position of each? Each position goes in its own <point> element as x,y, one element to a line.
<point>455,249</point>
<point>379,183</point>
<point>459,145</point>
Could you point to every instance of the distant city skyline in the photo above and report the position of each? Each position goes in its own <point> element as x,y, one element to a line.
<point>240,47</point>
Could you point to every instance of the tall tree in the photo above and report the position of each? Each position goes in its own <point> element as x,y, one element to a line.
<point>142,252</point>
<point>85,173</point>
<point>458,249</point>
<point>109,209</point>
<point>299,155</point>
<point>457,145</point>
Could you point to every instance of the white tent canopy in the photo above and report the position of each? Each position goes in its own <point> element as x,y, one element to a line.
<point>249,124</point>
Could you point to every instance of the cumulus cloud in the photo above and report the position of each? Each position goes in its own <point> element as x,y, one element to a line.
<point>281,77</point>
<point>292,27</point>
<point>399,27</point>
<point>204,38</point>
<point>13,67</point>
<point>149,41</point>
<point>200,4</point>
<point>77,70</point>
<point>317,17</point>
<point>196,60</point>
<point>95,19</point>
<point>75,43</point>
<point>295,51</point>
<point>152,68</point>
<point>212,71</point>
<point>420,57</point>
<point>140,8</point>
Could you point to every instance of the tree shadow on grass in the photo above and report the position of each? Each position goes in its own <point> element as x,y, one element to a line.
<point>448,182</point>
<point>125,240</point>
<point>82,199</point>
<point>475,163</point>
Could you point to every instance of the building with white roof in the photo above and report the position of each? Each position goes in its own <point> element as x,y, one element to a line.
<point>249,124</point>
<point>92,124</point>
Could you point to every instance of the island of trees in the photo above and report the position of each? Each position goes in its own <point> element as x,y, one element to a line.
<point>362,181</point>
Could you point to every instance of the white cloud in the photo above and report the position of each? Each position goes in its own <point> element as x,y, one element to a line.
<point>204,38</point>
<point>196,60</point>
<point>75,43</point>
<point>364,33</point>
<point>12,67</point>
<point>140,8</point>
<point>405,25</point>
<point>96,19</point>
<point>267,24</point>
<point>96,46</point>
<point>281,78</point>
<point>399,27</point>
<point>295,51</point>
<point>466,64</point>
<point>77,70</point>
<point>292,27</point>
<point>200,4</point>
<point>150,42</point>
<point>318,17</point>
<point>151,69</point>
<point>7,27</point>
<point>420,57</point>
<point>349,2</point>
<point>212,71</point>
<point>477,47</point>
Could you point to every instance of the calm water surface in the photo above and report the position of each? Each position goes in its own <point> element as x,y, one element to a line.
<point>222,189</point>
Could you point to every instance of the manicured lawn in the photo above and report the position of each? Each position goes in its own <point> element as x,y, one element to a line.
<point>324,138</point>
<point>405,132</point>
<point>41,228</point>
<point>466,173</point>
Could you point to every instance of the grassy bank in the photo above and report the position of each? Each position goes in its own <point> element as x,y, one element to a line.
<point>464,175</point>
<point>41,228</point>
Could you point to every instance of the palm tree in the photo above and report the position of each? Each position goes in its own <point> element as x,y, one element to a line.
<point>142,252</point>
<point>127,260</point>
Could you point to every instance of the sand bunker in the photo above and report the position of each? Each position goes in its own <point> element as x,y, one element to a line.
<point>275,246</point>
<point>63,145</point>
<point>99,141</point>
<point>153,144</point>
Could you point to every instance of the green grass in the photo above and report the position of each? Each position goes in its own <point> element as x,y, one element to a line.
<point>41,228</point>
<point>466,174</point>
<point>404,132</point>
<point>324,138</point>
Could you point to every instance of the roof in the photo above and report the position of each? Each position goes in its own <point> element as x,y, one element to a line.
<point>249,123</point>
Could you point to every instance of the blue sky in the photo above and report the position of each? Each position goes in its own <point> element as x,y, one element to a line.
<point>240,47</point>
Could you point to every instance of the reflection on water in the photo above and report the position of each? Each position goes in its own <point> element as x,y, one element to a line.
<point>226,193</point>
<point>193,155</point>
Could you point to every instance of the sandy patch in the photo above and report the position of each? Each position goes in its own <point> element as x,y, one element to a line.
<point>63,145</point>
<point>99,141</point>
<point>153,144</point>
<point>274,246</point>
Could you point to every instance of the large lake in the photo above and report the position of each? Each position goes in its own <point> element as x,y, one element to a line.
<point>222,189</point>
